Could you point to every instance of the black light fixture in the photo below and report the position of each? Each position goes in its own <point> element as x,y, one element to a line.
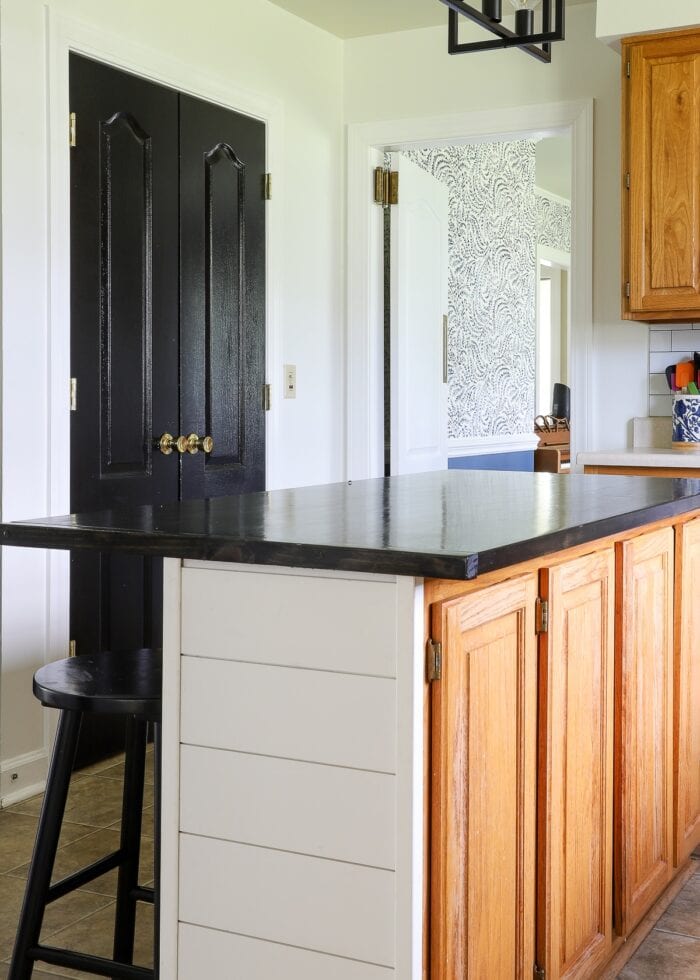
<point>536,43</point>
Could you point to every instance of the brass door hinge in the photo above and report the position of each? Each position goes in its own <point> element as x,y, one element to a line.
<point>628,69</point>
<point>267,187</point>
<point>541,616</point>
<point>628,181</point>
<point>72,648</point>
<point>267,397</point>
<point>72,130</point>
<point>434,661</point>
<point>386,187</point>
<point>628,290</point>
<point>74,394</point>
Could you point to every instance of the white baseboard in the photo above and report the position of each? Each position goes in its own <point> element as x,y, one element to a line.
<point>22,777</point>
<point>487,445</point>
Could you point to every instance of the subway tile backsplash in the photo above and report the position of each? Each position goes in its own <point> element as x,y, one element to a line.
<point>668,344</point>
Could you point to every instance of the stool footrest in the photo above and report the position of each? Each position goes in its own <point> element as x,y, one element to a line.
<point>141,894</point>
<point>90,964</point>
<point>85,875</point>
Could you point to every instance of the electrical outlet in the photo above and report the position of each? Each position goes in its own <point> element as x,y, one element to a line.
<point>290,380</point>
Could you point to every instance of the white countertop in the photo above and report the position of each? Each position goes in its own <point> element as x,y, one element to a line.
<point>683,458</point>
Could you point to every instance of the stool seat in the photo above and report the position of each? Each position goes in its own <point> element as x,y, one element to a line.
<point>123,683</point>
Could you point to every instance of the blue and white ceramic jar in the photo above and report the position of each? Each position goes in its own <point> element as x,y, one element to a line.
<point>686,421</point>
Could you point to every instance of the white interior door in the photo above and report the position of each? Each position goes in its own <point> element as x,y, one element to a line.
<point>418,333</point>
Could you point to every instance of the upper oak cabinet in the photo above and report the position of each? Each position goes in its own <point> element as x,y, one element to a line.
<point>661,177</point>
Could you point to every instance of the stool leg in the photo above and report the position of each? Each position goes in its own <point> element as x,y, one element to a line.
<point>132,806</point>
<point>157,751</point>
<point>46,844</point>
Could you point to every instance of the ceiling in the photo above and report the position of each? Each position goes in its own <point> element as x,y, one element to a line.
<point>354,18</point>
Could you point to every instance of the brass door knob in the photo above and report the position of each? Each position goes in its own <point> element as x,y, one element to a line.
<point>166,443</point>
<point>193,443</point>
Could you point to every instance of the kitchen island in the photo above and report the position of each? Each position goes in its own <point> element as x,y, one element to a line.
<point>442,722</point>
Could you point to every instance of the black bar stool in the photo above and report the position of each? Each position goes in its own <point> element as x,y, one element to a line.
<point>108,683</point>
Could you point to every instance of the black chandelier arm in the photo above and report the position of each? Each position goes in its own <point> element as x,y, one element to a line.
<point>506,37</point>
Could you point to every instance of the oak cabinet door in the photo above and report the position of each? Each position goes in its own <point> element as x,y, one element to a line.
<point>686,693</point>
<point>484,717</point>
<point>644,724</point>
<point>662,158</point>
<point>574,894</point>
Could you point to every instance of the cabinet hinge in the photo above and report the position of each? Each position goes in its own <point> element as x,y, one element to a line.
<point>72,130</point>
<point>628,290</point>
<point>72,648</point>
<point>628,69</point>
<point>434,661</point>
<point>628,181</point>
<point>386,187</point>
<point>74,394</point>
<point>267,397</point>
<point>267,187</point>
<point>538,972</point>
<point>541,616</point>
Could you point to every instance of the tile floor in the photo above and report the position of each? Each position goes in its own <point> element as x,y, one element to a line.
<point>84,919</point>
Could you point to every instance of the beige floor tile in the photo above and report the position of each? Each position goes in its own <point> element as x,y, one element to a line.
<point>60,914</point>
<point>17,833</point>
<point>664,956</point>
<point>102,766</point>
<point>95,801</point>
<point>116,770</point>
<point>146,822</point>
<point>683,915</point>
<point>93,934</point>
<point>90,848</point>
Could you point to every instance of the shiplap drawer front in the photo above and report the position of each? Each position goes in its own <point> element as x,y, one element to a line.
<point>347,625</point>
<point>307,902</point>
<point>205,953</point>
<point>308,715</point>
<point>324,811</point>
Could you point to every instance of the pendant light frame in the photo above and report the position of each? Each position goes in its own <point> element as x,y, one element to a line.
<point>537,44</point>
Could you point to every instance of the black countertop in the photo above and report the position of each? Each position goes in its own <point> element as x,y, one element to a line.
<point>451,524</point>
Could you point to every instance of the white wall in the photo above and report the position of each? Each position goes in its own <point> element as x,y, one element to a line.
<point>417,78</point>
<point>620,18</point>
<point>255,48</point>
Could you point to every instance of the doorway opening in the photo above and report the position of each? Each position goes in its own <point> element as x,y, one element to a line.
<point>366,381</point>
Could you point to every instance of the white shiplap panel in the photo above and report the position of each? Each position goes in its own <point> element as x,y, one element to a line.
<point>224,956</point>
<point>324,811</point>
<point>320,905</point>
<point>309,715</point>
<point>324,623</point>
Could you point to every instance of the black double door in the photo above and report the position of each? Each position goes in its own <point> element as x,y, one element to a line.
<point>167,324</point>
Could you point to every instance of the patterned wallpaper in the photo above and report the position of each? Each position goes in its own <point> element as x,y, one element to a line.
<point>553,222</point>
<point>493,233</point>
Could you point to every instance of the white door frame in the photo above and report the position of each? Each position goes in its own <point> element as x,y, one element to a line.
<point>365,432</point>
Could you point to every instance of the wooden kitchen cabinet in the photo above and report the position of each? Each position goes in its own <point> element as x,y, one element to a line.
<point>644,724</point>
<point>686,693</point>
<point>574,893</point>
<point>484,726</point>
<point>661,177</point>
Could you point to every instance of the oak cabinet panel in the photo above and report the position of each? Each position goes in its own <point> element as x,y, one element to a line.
<point>574,932</point>
<point>661,169</point>
<point>483,785</point>
<point>644,694</point>
<point>686,698</point>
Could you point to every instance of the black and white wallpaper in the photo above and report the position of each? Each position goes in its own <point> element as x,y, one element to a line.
<point>553,222</point>
<point>493,233</point>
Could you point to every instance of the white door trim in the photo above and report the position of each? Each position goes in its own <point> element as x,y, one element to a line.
<point>365,433</point>
<point>65,35</point>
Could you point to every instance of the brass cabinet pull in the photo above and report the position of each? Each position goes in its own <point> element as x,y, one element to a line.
<point>193,443</point>
<point>184,444</point>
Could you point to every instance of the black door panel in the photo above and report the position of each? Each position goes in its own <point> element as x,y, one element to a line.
<point>167,327</point>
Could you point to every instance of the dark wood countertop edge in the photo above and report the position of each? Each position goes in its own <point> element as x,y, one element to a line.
<point>309,556</point>
<point>214,548</point>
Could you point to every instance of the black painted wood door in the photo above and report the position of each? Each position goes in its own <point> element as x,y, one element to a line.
<point>167,326</point>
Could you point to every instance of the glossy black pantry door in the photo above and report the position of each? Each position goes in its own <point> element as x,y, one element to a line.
<point>167,332</point>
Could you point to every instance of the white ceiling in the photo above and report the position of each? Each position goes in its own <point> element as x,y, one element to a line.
<point>354,18</point>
